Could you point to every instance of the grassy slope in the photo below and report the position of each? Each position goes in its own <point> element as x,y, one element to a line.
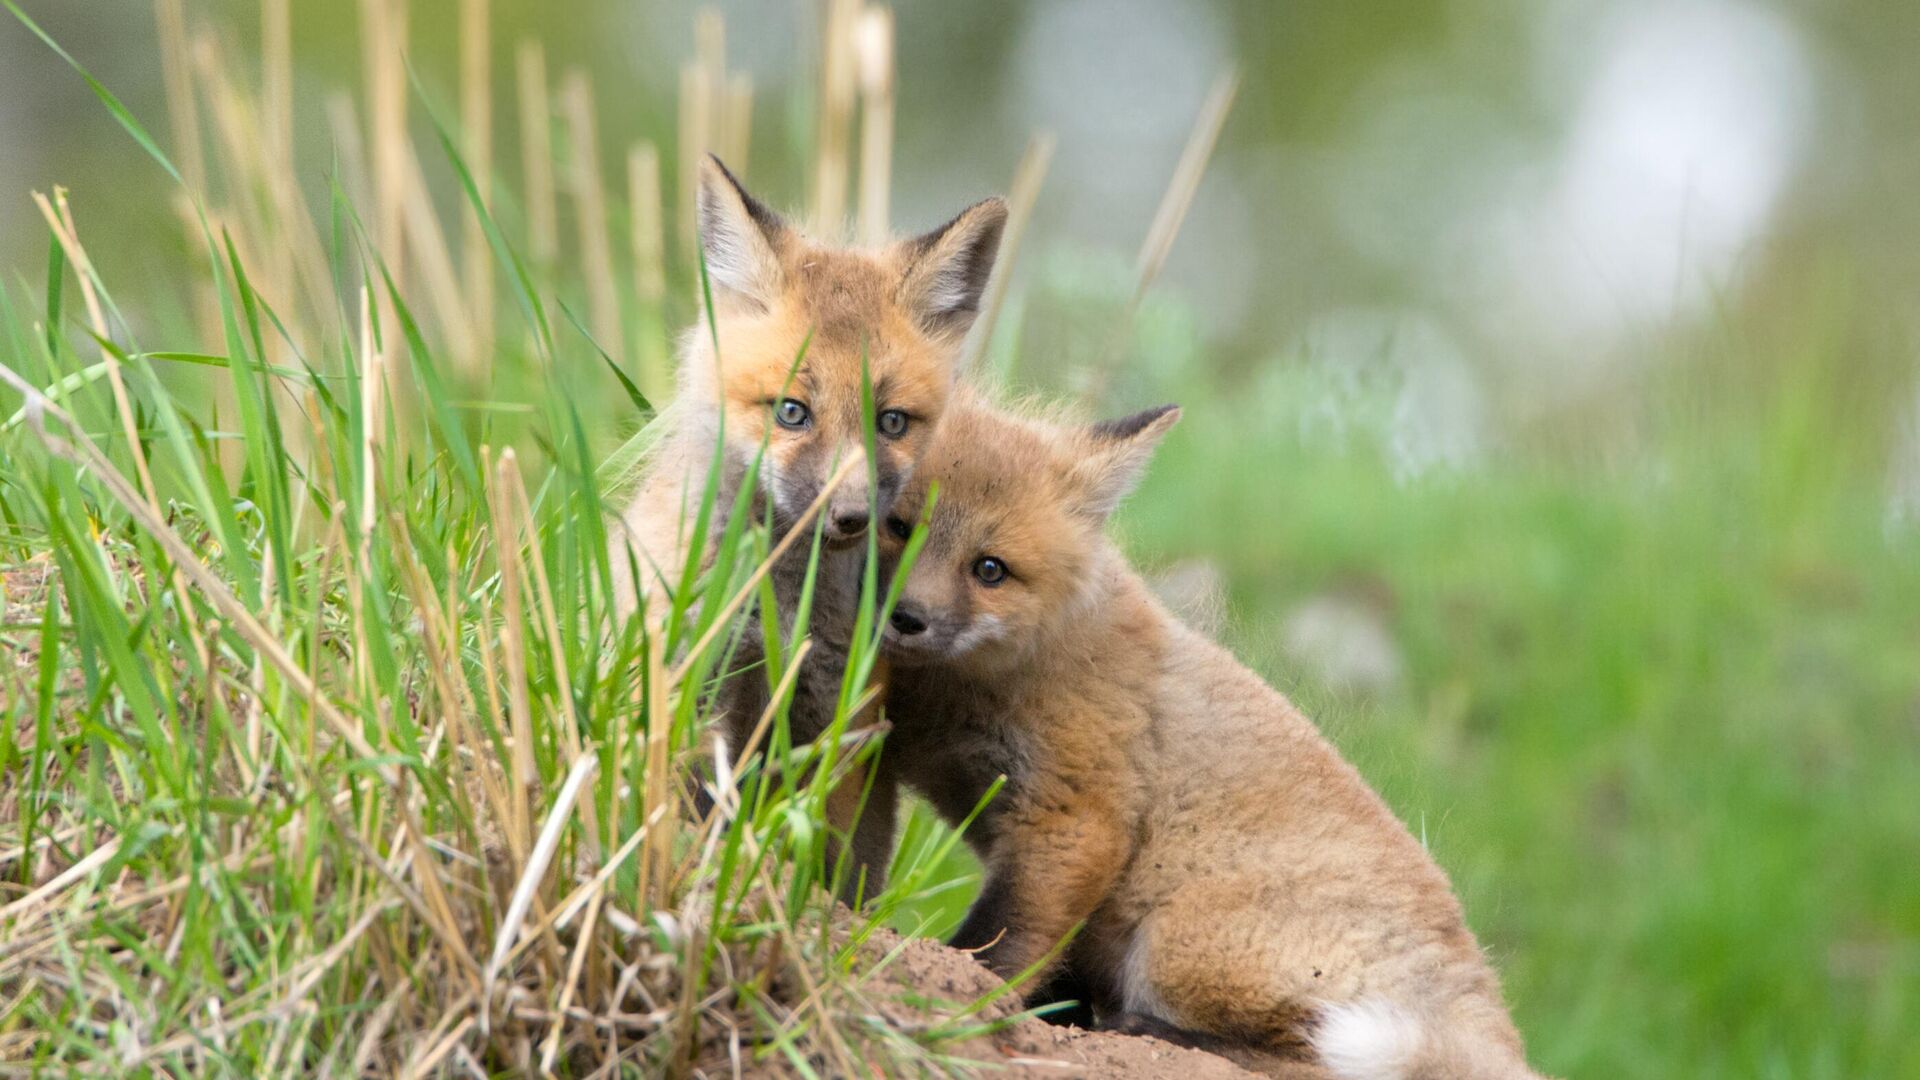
<point>1664,733</point>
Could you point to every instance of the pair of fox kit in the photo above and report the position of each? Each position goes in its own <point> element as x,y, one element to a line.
<point>1235,885</point>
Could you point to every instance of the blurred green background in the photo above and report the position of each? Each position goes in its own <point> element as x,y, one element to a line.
<point>1552,432</point>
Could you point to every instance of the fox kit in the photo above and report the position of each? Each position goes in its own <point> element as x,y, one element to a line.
<point>1238,886</point>
<point>898,314</point>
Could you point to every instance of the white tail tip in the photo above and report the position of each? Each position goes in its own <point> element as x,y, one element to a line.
<point>1368,1040</point>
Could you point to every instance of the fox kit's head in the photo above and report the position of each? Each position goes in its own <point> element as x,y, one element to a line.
<point>1017,531</point>
<point>903,310</point>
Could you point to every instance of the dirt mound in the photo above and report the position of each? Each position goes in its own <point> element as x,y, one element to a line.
<point>925,969</point>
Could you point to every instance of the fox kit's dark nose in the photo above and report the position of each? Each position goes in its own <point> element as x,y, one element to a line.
<point>907,622</point>
<point>849,524</point>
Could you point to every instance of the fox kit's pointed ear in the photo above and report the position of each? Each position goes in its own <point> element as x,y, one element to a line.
<point>740,237</point>
<point>1114,455</point>
<point>948,268</point>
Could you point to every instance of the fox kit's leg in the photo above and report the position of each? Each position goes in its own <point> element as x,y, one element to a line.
<point>1328,975</point>
<point>869,848</point>
<point>1280,1064</point>
<point>1133,1023</point>
<point>743,698</point>
<point>1283,1066</point>
<point>1069,989</point>
<point>1050,867</point>
<point>869,828</point>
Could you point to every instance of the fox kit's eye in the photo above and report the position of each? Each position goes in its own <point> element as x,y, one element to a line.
<point>791,413</point>
<point>892,423</point>
<point>899,528</point>
<point>989,570</point>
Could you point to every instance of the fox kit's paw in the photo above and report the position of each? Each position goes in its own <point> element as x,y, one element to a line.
<point>1134,1023</point>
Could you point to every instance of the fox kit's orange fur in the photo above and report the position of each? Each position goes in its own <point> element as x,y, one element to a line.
<point>895,316</point>
<point>902,310</point>
<point>1238,885</point>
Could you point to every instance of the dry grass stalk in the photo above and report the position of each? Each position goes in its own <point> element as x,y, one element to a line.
<point>272,230</point>
<point>383,43</point>
<point>701,82</point>
<point>236,146</point>
<point>183,111</point>
<point>710,52</point>
<point>534,872</point>
<point>1028,178</point>
<point>656,782</point>
<point>839,78</point>
<point>274,150</point>
<point>248,211</point>
<point>551,1048</point>
<point>372,402</point>
<point>373,419</point>
<point>441,643</point>
<point>476,145</point>
<point>737,120</point>
<point>60,221</point>
<point>787,679</point>
<point>649,269</point>
<point>536,153</point>
<point>189,155</point>
<point>542,596</point>
<point>1168,218</point>
<point>696,119</point>
<point>189,151</point>
<point>643,197</point>
<point>590,213</point>
<point>1186,180</point>
<point>874,46</point>
<point>59,217</point>
<point>435,259</point>
<point>276,84</point>
<point>77,872</point>
<point>435,1047</point>
<point>439,913</point>
<point>521,771</point>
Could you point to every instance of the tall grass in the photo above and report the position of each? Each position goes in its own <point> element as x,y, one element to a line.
<point>326,750</point>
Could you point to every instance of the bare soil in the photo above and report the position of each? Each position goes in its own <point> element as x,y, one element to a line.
<point>1030,1047</point>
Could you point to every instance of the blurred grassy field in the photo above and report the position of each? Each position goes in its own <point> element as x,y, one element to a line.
<point>1660,718</point>
<point>1654,691</point>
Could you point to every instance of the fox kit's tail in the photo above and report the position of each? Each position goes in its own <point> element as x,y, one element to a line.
<point>1379,1040</point>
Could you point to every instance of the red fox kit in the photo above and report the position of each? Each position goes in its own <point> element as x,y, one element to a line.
<point>903,310</point>
<point>897,314</point>
<point>1238,885</point>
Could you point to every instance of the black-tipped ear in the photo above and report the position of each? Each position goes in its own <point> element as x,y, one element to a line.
<point>1115,455</point>
<point>948,269</point>
<point>1126,427</point>
<point>740,237</point>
